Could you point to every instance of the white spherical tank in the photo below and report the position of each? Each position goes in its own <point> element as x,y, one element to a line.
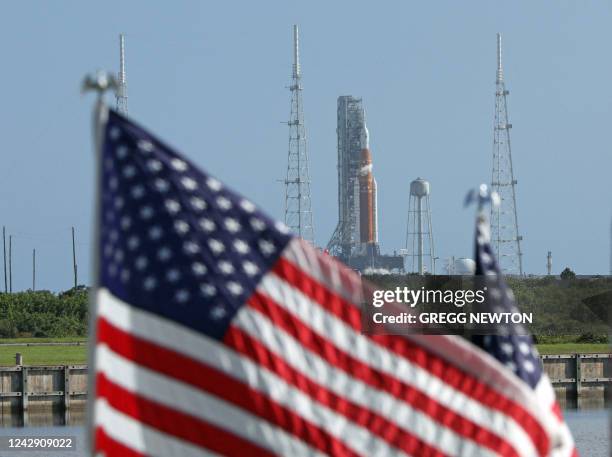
<point>419,188</point>
<point>464,267</point>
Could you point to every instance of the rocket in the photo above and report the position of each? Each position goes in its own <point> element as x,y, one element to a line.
<point>368,230</point>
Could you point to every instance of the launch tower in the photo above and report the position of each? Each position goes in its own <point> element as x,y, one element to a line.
<point>298,205</point>
<point>355,239</point>
<point>505,237</point>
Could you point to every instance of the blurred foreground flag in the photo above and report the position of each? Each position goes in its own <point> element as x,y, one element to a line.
<point>219,333</point>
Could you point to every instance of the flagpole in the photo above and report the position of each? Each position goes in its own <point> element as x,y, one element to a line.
<point>99,83</point>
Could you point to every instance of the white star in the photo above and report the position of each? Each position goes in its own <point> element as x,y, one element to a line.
<point>138,191</point>
<point>234,288</point>
<point>207,225</point>
<point>226,267</point>
<point>178,164</point>
<point>141,262</point>
<point>154,165</point>
<point>208,290</point>
<point>486,258</point>
<point>164,254</point>
<point>161,185</point>
<point>524,347</point>
<point>257,224</point>
<point>224,203</point>
<point>198,268</point>
<point>281,228</point>
<point>218,312</point>
<point>181,226</point>
<point>172,206</point>
<point>266,247</point>
<point>146,212</point>
<point>145,145</point>
<point>112,269</point>
<point>149,283</point>
<point>232,225</point>
<point>511,365</point>
<point>213,184</point>
<point>247,206</point>
<point>216,246</point>
<point>125,275</point>
<point>129,171</point>
<point>181,296</point>
<point>528,366</point>
<point>506,348</point>
<point>119,203</point>
<point>173,275</point>
<point>125,222</point>
<point>115,133</point>
<point>155,232</point>
<point>118,255</point>
<point>108,250</point>
<point>133,242</point>
<point>189,183</point>
<point>241,247</point>
<point>114,235</point>
<point>113,183</point>
<point>250,268</point>
<point>197,203</point>
<point>191,248</point>
<point>122,151</point>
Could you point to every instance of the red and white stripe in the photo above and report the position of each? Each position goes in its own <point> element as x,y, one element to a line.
<point>294,376</point>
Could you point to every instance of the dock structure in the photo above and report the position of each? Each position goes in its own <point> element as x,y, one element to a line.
<point>582,381</point>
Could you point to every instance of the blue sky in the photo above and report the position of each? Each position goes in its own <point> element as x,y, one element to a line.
<point>211,77</point>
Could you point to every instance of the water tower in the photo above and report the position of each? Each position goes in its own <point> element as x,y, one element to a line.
<point>419,238</point>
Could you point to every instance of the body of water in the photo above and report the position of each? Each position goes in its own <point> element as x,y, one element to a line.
<point>590,429</point>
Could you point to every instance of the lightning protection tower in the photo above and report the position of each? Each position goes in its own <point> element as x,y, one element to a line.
<point>419,233</point>
<point>122,105</point>
<point>298,205</point>
<point>505,236</point>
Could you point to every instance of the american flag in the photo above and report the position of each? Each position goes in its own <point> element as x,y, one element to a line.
<point>220,333</point>
<point>512,345</point>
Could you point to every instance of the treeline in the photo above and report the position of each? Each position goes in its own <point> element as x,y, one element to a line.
<point>44,314</point>
<point>570,310</point>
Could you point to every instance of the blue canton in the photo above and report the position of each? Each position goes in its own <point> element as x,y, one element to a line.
<point>512,345</point>
<point>174,240</point>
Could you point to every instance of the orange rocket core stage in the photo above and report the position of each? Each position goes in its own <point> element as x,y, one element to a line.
<point>367,199</point>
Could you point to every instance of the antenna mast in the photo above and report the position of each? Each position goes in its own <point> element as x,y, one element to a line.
<point>298,205</point>
<point>122,105</point>
<point>506,240</point>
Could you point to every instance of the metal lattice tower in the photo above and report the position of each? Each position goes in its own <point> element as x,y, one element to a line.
<point>122,99</point>
<point>298,205</point>
<point>351,123</point>
<point>506,240</point>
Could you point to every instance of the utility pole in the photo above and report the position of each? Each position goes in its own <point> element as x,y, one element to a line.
<point>74,264</point>
<point>10,262</point>
<point>4,250</point>
<point>34,270</point>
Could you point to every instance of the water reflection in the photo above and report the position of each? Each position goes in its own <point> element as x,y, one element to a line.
<point>47,417</point>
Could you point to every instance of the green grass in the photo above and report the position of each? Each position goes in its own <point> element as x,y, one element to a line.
<point>570,348</point>
<point>76,355</point>
<point>44,355</point>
